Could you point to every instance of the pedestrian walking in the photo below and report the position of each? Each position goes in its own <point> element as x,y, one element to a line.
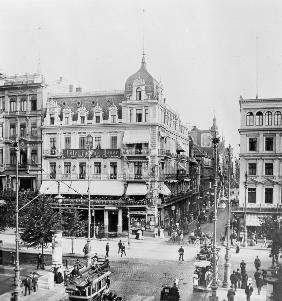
<point>249,291</point>
<point>156,232</point>
<point>259,284</point>
<point>119,246</point>
<point>108,282</point>
<point>231,293</point>
<point>244,280</point>
<point>233,280</point>
<point>243,267</point>
<point>122,250</point>
<point>264,242</point>
<point>237,246</point>
<point>181,236</point>
<point>181,253</point>
<point>257,274</point>
<point>257,263</point>
<point>39,261</point>
<point>35,282</point>
<point>238,278</point>
<point>27,284</point>
<point>107,249</point>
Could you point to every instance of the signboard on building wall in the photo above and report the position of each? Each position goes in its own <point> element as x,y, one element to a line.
<point>95,153</point>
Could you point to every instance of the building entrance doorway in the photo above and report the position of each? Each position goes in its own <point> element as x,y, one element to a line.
<point>113,221</point>
<point>124,221</point>
<point>26,183</point>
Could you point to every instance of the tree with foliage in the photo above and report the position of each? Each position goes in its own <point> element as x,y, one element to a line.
<point>73,224</point>
<point>40,221</point>
<point>271,228</point>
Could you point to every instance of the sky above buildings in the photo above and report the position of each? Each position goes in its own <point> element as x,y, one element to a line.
<point>206,53</point>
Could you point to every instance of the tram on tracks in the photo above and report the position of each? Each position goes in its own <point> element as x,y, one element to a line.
<point>89,286</point>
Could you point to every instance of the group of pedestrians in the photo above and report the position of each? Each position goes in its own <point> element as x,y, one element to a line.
<point>121,248</point>
<point>30,283</point>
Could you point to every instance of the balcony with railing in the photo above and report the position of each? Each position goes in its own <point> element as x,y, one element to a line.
<point>165,153</point>
<point>136,177</point>
<point>53,152</point>
<point>173,176</point>
<point>136,151</point>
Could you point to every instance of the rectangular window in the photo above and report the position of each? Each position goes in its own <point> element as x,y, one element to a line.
<point>113,142</point>
<point>52,119</point>
<point>138,115</point>
<point>82,170</point>
<point>268,195</point>
<point>252,195</point>
<point>52,170</point>
<point>13,157</point>
<point>2,103</point>
<point>252,169</point>
<point>82,142</point>
<point>268,169</point>
<point>113,170</point>
<point>113,118</point>
<point>13,105</point>
<point>34,157</point>
<point>1,131</point>
<point>33,103</point>
<point>97,168</point>
<point>67,168</point>
<point>1,156</point>
<point>146,114</point>
<point>138,170</point>
<point>97,118</point>
<point>269,144</point>
<point>131,115</point>
<point>98,142</point>
<point>52,142</point>
<point>82,119</point>
<point>67,142</point>
<point>252,144</point>
<point>33,129</point>
<point>23,130</point>
<point>12,130</point>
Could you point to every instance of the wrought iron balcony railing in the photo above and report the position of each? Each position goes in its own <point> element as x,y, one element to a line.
<point>136,151</point>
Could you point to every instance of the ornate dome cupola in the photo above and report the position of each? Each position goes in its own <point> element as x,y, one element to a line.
<point>141,85</point>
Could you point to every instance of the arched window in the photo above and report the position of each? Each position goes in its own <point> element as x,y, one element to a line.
<point>250,118</point>
<point>259,118</point>
<point>23,103</point>
<point>268,118</point>
<point>138,94</point>
<point>277,118</point>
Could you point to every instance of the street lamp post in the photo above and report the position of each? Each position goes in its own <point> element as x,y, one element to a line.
<point>227,256</point>
<point>128,237</point>
<point>213,297</point>
<point>89,145</point>
<point>245,214</point>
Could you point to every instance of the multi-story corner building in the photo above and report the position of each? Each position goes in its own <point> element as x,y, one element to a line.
<point>260,159</point>
<point>137,160</point>
<point>21,104</point>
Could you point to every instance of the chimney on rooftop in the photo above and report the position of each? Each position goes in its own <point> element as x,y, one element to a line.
<point>70,88</point>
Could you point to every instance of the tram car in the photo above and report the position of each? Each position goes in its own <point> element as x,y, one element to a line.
<point>89,286</point>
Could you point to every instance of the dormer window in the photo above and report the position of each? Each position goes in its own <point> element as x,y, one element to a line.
<point>113,118</point>
<point>82,119</point>
<point>52,119</point>
<point>67,119</point>
<point>138,94</point>
<point>138,115</point>
<point>97,118</point>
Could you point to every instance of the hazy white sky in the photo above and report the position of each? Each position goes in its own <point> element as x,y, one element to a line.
<point>203,51</point>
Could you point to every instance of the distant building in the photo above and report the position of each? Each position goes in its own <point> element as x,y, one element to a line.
<point>21,104</point>
<point>260,159</point>
<point>139,157</point>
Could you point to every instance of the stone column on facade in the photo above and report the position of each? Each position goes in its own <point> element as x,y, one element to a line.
<point>277,143</point>
<point>106,222</point>
<point>260,143</point>
<point>119,228</point>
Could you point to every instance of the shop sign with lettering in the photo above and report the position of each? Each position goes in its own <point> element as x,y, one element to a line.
<point>94,153</point>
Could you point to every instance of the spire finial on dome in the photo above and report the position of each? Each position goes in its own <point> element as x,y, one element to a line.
<point>143,62</point>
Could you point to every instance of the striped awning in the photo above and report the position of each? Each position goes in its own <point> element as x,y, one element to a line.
<point>164,190</point>
<point>253,219</point>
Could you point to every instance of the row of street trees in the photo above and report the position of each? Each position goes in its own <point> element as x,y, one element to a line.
<point>39,219</point>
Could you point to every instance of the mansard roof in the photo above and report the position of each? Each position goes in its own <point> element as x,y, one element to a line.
<point>90,101</point>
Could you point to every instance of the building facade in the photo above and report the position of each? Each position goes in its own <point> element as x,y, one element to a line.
<point>260,159</point>
<point>127,149</point>
<point>21,105</point>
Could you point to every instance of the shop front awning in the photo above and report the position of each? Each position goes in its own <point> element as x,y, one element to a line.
<point>181,166</point>
<point>136,136</point>
<point>180,147</point>
<point>164,190</point>
<point>136,189</point>
<point>253,220</point>
<point>110,188</point>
